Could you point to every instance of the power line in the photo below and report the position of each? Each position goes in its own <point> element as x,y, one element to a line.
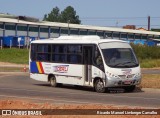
<point>112,18</point>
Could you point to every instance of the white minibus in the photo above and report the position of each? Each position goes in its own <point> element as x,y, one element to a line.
<point>85,61</point>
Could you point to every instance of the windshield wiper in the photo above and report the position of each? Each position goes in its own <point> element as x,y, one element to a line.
<point>130,62</point>
<point>124,64</point>
<point>118,64</point>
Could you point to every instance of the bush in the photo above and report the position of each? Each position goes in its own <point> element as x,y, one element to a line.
<point>148,56</point>
<point>146,52</point>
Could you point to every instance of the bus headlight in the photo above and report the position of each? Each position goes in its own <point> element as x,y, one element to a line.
<point>138,75</point>
<point>111,75</point>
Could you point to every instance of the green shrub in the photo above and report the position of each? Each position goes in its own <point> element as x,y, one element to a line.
<point>148,56</point>
<point>146,52</point>
<point>150,63</point>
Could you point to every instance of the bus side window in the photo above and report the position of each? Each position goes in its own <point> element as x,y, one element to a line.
<point>33,52</point>
<point>74,58</point>
<point>43,52</point>
<point>98,59</point>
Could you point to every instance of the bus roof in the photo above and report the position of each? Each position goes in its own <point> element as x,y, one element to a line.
<point>77,40</point>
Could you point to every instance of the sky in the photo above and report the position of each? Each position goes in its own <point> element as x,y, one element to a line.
<point>111,13</point>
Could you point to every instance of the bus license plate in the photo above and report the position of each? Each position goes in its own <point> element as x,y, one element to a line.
<point>127,82</point>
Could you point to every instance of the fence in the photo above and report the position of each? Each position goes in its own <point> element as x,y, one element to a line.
<point>18,42</point>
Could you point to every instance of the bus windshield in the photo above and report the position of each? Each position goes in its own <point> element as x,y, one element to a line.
<point>119,57</point>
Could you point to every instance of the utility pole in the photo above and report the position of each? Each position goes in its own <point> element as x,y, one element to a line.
<point>68,27</point>
<point>117,23</point>
<point>149,23</point>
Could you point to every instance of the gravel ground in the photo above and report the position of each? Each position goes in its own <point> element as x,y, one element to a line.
<point>21,104</point>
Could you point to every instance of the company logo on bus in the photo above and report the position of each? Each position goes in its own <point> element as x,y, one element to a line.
<point>61,68</point>
<point>127,71</point>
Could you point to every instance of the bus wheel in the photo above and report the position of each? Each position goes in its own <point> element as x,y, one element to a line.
<point>99,86</point>
<point>129,88</point>
<point>53,82</point>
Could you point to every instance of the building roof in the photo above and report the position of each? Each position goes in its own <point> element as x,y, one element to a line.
<point>77,26</point>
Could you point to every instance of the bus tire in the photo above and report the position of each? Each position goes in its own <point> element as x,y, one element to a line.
<point>77,86</point>
<point>99,86</point>
<point>53,82</point>
<point>129,88</point>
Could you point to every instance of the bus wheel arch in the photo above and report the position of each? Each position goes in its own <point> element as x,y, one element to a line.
<point>52,80</point>
<point>99,85</point>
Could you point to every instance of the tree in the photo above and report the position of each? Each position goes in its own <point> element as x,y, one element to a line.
<point>53,16</point>
<point>68,15</point>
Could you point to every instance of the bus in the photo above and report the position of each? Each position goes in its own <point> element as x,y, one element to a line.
<point>85,61</point>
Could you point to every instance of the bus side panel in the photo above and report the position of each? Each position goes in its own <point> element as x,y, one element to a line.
<point>64,73</point>
<point>96,72</point>
<point>69,80</point>
<point>39,77</point>
<point>68,73</point>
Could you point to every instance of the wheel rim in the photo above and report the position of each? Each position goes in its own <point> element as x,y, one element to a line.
<point>52,81</point>
<point>100,86</point>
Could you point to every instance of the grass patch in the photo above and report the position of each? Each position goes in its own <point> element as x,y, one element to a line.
<point>150,63</point>
<point>21,56</point>
<point>149,56</point>
<point>14,55</point>
<point>12,69</point>
<point>150,81</point>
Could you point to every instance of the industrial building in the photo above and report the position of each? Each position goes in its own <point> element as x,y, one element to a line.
<point>27,29</point>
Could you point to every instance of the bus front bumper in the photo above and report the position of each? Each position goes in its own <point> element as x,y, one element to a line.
<point>121,83</point>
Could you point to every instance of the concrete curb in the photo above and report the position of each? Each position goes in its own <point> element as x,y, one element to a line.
<point>14,73</point>
<point>151,89</point>
<point>12,66</point>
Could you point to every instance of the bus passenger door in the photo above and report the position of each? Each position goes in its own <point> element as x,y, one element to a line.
<point>87,60</point>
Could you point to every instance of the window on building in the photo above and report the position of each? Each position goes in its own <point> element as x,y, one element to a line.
<point>83,32</point>
<point>130,36</point>
<point>10,27</point>
<point>150,36</point>
<point>22,28</point>
<point>64,31</point>
<point>42,29</point>
<point>144,36</point>
<point>156,37</point>
<point>100,33</point>
<point>34,29</point>
<point>55,30</point>
<point>137,36</point>
<point>1,26</point>
<point>124,36</point>
<point>74,31</point>
<point>109,34</point>
<point>92,32</point>
<point>116,34</point>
